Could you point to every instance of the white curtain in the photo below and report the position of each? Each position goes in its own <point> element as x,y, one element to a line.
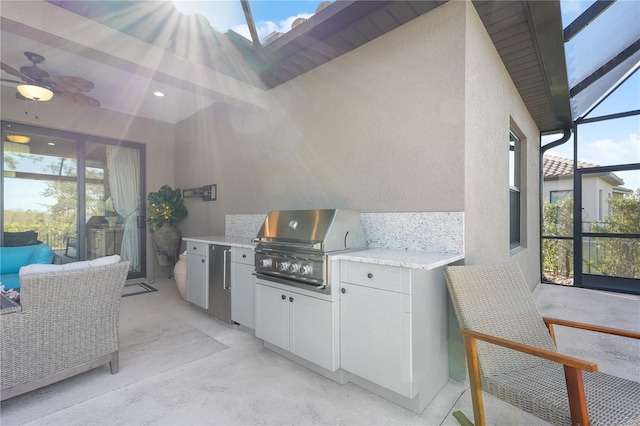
<point>123,165</point>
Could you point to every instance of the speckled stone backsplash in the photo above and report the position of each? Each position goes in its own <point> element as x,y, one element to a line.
<point>243,225</point>
<point>421,231</point>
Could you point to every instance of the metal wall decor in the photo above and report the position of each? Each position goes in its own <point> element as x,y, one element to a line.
<point>206,192</point>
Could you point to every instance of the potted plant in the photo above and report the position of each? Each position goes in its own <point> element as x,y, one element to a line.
<point>166,207</point>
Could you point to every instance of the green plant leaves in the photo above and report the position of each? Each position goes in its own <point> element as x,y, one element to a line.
<point>165,205</point>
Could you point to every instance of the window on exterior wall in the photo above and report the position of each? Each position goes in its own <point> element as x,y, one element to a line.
<point>515,167</point>
<point>600,205</point>
<point>555,196</point>
<point>560,209</point>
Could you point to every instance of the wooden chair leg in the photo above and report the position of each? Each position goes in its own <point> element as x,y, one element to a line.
<point>577,399</point>
<point>461,418</point>
<point>475,382</point>
<point>114,363</point>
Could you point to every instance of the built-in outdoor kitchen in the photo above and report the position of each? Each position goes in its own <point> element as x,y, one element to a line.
<point>356,297</point>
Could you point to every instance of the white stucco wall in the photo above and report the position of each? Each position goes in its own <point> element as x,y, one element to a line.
<point>492,107</point>
<point>416,120</point>
<point>380,129</point>
<point>594,208</point>
<point>595,193</point>
<point>563,184</point>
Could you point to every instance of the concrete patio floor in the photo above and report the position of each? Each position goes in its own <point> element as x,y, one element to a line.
<point>180,367</point>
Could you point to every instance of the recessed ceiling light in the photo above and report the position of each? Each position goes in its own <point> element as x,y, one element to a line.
<point>158,93</point>
<point>51,143</point>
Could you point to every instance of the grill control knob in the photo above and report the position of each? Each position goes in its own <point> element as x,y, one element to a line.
<point>265,263</point>
<point>305,269</point>
<point>294,268</point>
<point>283,266</point>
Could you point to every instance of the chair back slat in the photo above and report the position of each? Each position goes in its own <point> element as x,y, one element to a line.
<point>494,299</point>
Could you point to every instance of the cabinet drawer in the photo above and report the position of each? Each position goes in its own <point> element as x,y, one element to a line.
<point>376,276</point>
<point>197,248</point>
<point>242,255</point>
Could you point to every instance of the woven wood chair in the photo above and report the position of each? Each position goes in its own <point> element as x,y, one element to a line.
<point>511,354</point>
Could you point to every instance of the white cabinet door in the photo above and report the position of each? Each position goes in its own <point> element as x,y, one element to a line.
<point>197,286</point>
<point>375,336</point>
<point>243,290</point>
<point>272,315</point>
<point>303,325</point>
<point>311,334</point>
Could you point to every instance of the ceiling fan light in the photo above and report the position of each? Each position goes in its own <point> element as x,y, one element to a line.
<point>35,93</point>
<point>19,138</point>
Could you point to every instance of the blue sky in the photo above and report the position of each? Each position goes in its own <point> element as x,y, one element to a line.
<point>613,141</point>
<point>268,16</point>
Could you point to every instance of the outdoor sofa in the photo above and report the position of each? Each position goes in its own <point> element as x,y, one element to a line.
<point>67,323</point>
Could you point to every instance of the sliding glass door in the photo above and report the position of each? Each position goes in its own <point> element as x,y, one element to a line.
<point>40,186</point>
<point>83,195</point>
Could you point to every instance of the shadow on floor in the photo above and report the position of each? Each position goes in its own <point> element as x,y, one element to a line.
<point>180,366</point>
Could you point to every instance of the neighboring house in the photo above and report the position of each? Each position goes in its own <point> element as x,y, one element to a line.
<point>597,188</point>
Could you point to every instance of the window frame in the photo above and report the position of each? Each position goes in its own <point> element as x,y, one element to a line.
<point>516,167</point>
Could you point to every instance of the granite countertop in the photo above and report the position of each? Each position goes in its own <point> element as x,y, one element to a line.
<point>401,258</point>
<point>228,240</point>
<point>378,256</point>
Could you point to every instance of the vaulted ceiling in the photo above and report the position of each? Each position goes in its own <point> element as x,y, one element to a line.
<point>120,47</point>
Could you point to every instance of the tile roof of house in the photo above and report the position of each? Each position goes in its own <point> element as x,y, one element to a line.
<point>558,166</point>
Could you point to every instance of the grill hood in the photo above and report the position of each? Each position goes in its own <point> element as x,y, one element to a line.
<point>325,230</point>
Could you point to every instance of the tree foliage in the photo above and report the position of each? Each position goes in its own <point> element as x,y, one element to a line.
<point>619,257</point>
<point>557,254</point>
<point>50,229</point>
<point>610,256</point>
<point>59,222</point>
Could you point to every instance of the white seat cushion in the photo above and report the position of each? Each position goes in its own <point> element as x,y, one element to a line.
<point>104,261</point>
<point>73,266</point>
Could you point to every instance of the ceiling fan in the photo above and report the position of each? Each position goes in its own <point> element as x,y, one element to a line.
<point>69,89</point>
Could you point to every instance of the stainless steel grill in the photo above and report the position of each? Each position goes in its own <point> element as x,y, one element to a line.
<point>292,245</point>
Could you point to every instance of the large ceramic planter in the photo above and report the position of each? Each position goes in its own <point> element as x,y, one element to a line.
<point>166,241</point>
<point>180,275</point>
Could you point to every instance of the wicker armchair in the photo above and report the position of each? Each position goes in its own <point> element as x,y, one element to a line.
<point>511,354</point>
<point>68,324</point>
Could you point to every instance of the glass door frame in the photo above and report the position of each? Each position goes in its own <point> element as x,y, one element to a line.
<point>81,140</point>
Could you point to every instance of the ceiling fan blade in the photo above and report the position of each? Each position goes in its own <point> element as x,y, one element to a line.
<point>70,84</point>
<point>79,99</point>
<point>10,81</point>
<point>14,72</point>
